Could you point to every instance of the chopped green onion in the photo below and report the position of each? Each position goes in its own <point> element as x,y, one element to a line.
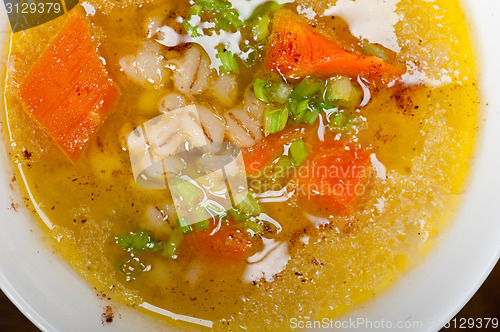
<point>291,105</point>
<point>297,109</point>
<point>272,6</point>
<point>340,121</point>
<point>249,205</point>
<point>261,19</point>
<point>253,227</point>
<point>222,23</point>
<point>275,120</point>
<point>173,243</point>
<point>195,10</point>
<point>281,94</point>
<point>311,115</point>
<point>218,12</point>
<point>184,225</point>
<point>202,225</point>
<point>267,8</point>
<point>374,50</point>
<point>137,242</point>
<point>325,106</point>
<point>342,92</point>
<point>233,18</point>
<point>282,166</point>
<point>301,109</point>
<point>192,30</point>
<point>203,213</point>
<point>307,88</point>
<point>237,215</point>
<point>271,89</point>
<point>187,192</point>
<point>124,240</point>
<point>298,151</point>
<point>229,62</point>
<point>260,28</point>
<point>254,53</point>
<point>132,267</point>
<point>260,90</point>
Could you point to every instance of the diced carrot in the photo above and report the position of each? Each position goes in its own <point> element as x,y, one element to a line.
<point>229,243</point>
<point>335,174</point>
<point>259,155</point>
<point>296,50</point>
<point>68,91</point>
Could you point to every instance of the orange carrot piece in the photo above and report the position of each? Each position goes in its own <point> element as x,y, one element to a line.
<point>335,174</point>
<point>296,50</point>
<point>229,243</point>
<point>68,91</point>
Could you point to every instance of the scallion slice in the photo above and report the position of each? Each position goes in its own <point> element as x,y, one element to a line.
<point>301,109</point>
<point>249,205</point>
<point>229,61</point>
<point>298,151</point>
<point>307,88</point>
<point>311,115</point>
<point>173,243</point>
<point>124,240</point>
<point>271,89</point>
<point>281,93</point>
<point>260,90</point>
<point>195,10</point>
<point>237,215</point>
<point>374,50</point>
<point>342,92</point>
<point>340,121</point>
<point>185,225</point>
<point>233,18</point>
<point>253,227</point>
<point>202,225</point>
<point>137,242</point>
<point>260,28</point>
<point>186,191</point>
<point>132,267</point>
<point>267,8</point>
<point>261,18</point>
<point>283,166</point>
<point>219,12</point>
<point>275,120</point>
<point>192,30</point>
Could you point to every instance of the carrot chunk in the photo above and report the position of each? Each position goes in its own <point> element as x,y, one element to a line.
<point>335,174</point>
<point>67,91</point>
<point>296,50</point>
<point>229,243</point>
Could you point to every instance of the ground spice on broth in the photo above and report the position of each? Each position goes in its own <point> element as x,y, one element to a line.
<point>321,264</point>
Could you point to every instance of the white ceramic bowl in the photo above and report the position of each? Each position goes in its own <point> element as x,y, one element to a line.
<point>55,298</point>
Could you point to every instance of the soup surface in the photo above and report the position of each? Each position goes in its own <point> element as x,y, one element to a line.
<point>347,130</point>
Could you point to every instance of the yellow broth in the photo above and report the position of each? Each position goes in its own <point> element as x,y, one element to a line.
<point>423,135</point>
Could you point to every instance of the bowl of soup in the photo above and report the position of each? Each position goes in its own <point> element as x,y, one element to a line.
<point>226,165</point>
